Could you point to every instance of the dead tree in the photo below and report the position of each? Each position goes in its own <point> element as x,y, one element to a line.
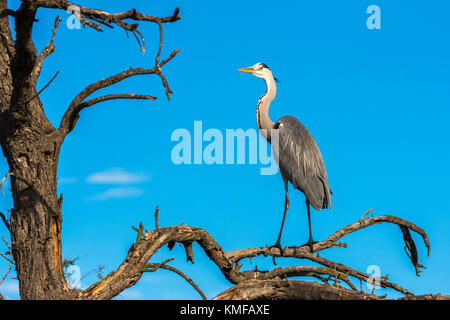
<point>31,146</point>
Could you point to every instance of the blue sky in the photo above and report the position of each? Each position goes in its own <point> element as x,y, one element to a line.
<point>376,101</point>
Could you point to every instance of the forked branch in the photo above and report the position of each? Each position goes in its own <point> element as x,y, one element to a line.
<point>47,51</point>
<point>152,267</point>
<point>96,18</point>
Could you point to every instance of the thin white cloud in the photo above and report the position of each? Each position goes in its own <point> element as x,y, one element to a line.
<point>116,176</point>
<point>117,193</point>
<point>130,294</point>
<point>67,180</point>
<point>10,287</point>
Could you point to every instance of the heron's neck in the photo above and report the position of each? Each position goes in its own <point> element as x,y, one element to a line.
<point>262,109</point>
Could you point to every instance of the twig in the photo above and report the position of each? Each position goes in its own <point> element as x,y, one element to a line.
<point>160,43</point>
<point>411,250</point>
<point>139,231</point>
<point>5,257</point>
<point>189,252</point>
<point>365,214</point>
<point>102,22</point>
<point>142,46</point>
<point>180,273</point>
<point>158,265</point>
<point>89,103</point>
<point>40,91</point>
<point>5,221</point>
<point>157,218</point>
<point>9,250</point>
<point>164,82</point>
<point>47,51</point>
<point>3,180</point>
<point>170,57</point>
<point>7,272</point>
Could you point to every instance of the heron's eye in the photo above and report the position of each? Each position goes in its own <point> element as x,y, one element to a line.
<point>261,67</point>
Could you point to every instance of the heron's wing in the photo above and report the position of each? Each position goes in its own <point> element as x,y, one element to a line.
<point>301,162</point>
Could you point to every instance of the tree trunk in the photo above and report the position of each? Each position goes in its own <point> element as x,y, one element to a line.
<point>31,147</point>
<point>35,221</point>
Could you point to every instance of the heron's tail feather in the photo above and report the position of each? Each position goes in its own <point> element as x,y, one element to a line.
<point>318,193</point>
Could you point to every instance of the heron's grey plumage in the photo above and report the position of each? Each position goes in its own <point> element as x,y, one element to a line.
<point>301,162</point>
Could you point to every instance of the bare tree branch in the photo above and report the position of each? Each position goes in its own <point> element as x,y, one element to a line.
<point>365,214</point>
<point>5,221</point>
<point>160,43</point>
<point>3,181</point>
<point>47,51</point>
<point>130,271</point>
<point>376,220</point>
<point>290,290</point>
<point>152,267</point>
<point>93,18</point>
<point>302,290</point>
<point>170,57</point>
<point>180,273</point>
<point>157,218</point>
<point>108,19</point>
<point>228,262</point>
<point>71,115</point>
<point>11,261</point>
<point>40,91</point>
<point>6,258</point>
<point>91,102</point>
<point>298,271</point>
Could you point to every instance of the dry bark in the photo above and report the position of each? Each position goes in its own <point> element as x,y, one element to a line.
<point>290,290</point>
<point>302,290</point>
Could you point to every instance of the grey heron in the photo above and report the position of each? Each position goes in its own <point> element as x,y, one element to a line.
<point>299,158</point>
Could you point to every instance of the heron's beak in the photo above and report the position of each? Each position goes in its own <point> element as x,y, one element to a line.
<point>247,70</point>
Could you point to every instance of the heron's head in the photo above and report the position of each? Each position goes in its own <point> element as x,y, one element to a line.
<point>259,70</point>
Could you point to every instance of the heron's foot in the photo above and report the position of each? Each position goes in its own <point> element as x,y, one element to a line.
<point>278,246</point>
<point>310,244</point>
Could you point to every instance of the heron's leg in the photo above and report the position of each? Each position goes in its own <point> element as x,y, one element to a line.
<point>310,241</point>
<point>286,206</point>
